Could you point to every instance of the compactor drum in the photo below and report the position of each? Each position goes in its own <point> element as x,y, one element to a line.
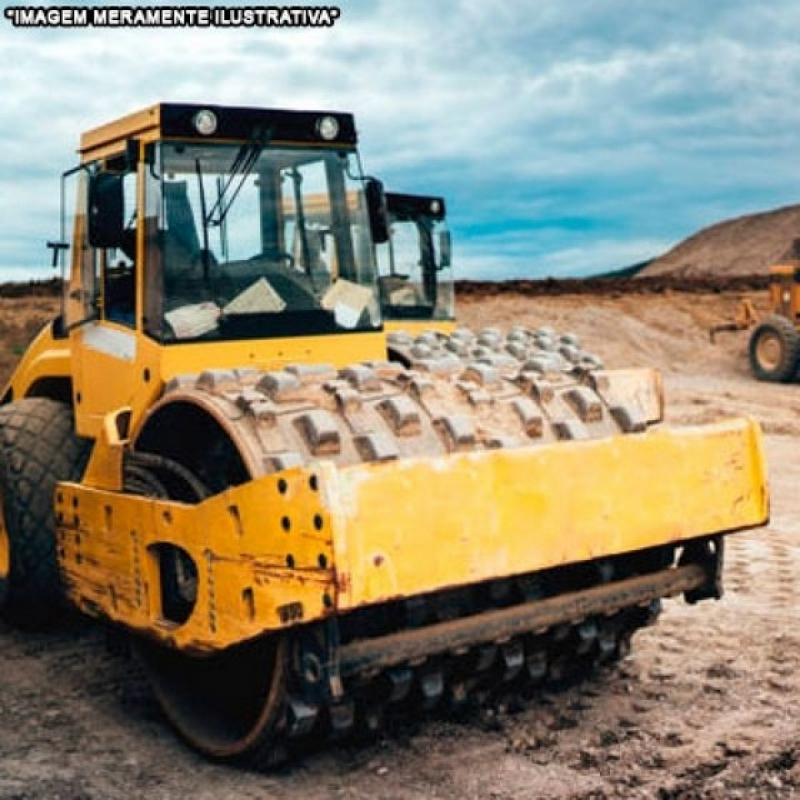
<point>210,449</point>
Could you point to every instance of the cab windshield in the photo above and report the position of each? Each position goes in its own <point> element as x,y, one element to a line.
<point>247,241</point>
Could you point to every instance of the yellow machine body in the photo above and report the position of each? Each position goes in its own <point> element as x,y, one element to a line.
<point>474,511</point>
<point>270,511</point>
<point>139,380</point>
<point>784,294</point>
<point>353,539</point>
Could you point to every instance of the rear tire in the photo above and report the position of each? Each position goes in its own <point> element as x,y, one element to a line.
<point>38,448</point>
<point>774,350</point>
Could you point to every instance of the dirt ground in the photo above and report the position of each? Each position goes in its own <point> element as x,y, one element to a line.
<point>704,707</point>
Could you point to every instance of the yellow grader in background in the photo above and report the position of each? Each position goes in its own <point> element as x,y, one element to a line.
<point>210,450</point>
<point>774,345</point>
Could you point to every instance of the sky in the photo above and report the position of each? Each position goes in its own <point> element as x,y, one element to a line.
<point>569,138</point>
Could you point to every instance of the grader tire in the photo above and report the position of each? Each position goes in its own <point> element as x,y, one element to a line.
<point>775,350</point>
<point>38,448</point>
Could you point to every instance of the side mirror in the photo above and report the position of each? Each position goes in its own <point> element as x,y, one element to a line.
<point>106,217</point>
<point>445,249</point>
<point>376,207</point>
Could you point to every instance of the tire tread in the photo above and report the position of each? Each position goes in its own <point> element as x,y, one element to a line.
<point>790,339</point>
<point>38,448</point>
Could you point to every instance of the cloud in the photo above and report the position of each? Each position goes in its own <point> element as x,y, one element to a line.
<point>581,133</point>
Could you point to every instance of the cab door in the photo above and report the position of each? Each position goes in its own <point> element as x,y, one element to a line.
<point>102,308</point>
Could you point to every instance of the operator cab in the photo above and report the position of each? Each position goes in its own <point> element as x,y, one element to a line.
<point>226,223</point>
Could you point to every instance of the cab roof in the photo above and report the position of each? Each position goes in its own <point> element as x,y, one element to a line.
<point>231,123</point>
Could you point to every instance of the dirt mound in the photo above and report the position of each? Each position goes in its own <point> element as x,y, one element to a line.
<point>740,246</point>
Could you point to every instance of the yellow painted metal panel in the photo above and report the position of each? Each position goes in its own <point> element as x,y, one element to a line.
<point>140,380</point>
<point>305,542</point>
<point>103,349</point>
<point>420,525</point>
<point>416,327</point>
<point>336,349</point>
<point>107,139</point>
<point>262,552</point>
<point>45,358</point>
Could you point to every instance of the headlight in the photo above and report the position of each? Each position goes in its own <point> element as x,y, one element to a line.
<point>205,122</point>
<point>328,128</point>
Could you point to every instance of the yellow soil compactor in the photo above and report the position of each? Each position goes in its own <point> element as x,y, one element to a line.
<point>210,449</point>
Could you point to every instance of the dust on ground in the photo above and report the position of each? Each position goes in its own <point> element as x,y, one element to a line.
<point>705,706</point>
